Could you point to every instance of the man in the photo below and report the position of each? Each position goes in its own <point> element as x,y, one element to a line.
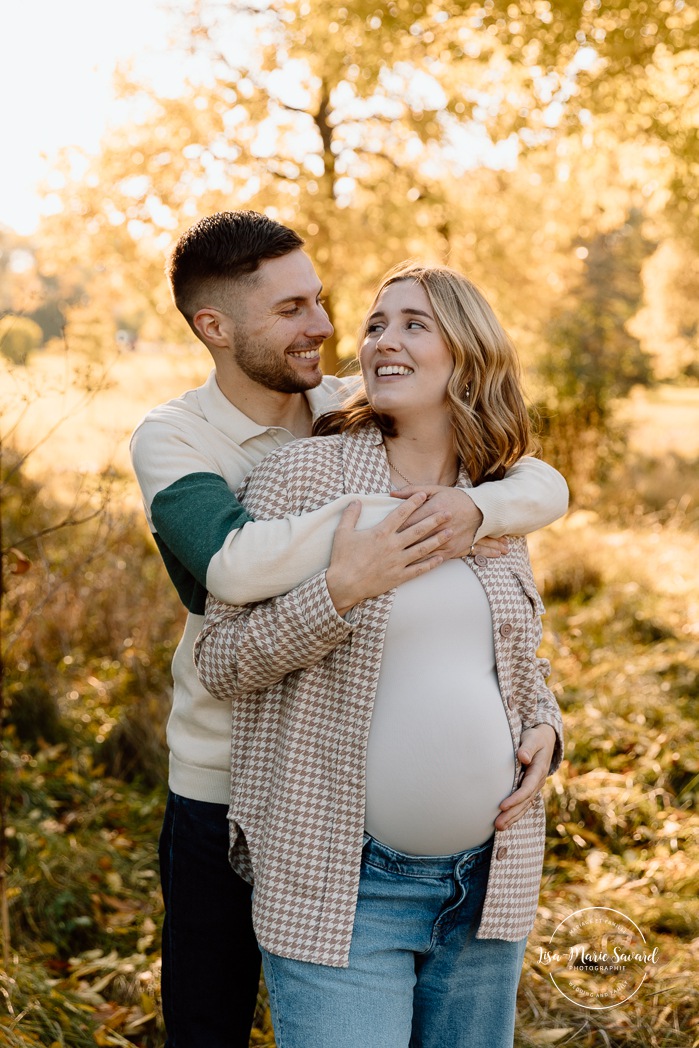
<point>251,295</point>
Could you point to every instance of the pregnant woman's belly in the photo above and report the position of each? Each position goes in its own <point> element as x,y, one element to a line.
<point>440,757</point>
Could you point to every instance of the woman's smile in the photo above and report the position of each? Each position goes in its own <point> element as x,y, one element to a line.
<point>391,370</point>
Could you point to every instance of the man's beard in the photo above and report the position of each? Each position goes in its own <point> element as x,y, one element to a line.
<point>265,366</point>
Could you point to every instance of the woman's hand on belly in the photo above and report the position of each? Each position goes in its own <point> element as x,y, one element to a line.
<point>535,752</point>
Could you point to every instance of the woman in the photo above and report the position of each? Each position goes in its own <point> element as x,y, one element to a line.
<point>375,734</point>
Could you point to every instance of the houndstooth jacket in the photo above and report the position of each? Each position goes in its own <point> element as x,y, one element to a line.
<point>303,679</point>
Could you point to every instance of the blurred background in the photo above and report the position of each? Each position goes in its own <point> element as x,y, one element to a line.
<point>550,151</point>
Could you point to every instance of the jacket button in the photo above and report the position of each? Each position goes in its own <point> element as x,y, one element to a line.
<point>511,702</point>
<point>501,853</point>
<point>506,629</point>
<point>481,561</point>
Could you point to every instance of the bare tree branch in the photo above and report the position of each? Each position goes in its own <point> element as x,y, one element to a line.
<point>99,548</point>
<point>67,522</point>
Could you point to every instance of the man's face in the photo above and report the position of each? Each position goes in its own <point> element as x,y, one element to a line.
<point>280,325</point>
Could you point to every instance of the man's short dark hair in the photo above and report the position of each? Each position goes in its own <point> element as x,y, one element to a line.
<point>221,248</point>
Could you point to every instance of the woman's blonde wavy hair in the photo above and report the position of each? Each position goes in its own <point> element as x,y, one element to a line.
<point>492,429</point>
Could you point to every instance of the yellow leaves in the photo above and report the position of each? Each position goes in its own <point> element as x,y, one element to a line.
<point>580,834</point>
<point>93,974</point>
<point>119,1022</point>
<point>262,1034</point>
<point>147,1004</point>
<point>124,912</point>
<point>149,929</point>
<point>102,1037</point>
<point>73,778</point>
<point>111,1016</point>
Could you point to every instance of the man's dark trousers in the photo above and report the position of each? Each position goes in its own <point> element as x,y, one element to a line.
<point>211,964</point>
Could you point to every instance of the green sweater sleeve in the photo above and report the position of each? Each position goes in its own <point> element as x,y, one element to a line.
<point>191,520</point>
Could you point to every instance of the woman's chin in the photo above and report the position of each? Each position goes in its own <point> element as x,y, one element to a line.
<point>389,404</point>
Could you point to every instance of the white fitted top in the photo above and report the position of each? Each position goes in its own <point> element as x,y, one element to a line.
<point>440,757</point>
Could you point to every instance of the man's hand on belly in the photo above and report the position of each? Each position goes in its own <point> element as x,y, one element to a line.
<point>535,752</point>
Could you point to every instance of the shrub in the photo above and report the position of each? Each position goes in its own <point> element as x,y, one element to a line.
<point>18,337</point>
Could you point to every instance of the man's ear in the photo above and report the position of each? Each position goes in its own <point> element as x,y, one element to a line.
<point>210,325</point>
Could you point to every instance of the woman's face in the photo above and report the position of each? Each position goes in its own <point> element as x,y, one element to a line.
<point>404,359</point>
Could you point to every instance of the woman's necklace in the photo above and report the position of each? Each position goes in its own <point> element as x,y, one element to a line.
<point>396,470</point>
<point>411,483</point>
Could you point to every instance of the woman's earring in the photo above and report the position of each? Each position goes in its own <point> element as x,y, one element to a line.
<point>468,393</point>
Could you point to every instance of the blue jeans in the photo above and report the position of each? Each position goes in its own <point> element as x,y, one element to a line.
<point>211,964</point>
<point>417,977</point>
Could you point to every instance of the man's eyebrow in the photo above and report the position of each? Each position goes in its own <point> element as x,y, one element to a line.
<point>296,298</point>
